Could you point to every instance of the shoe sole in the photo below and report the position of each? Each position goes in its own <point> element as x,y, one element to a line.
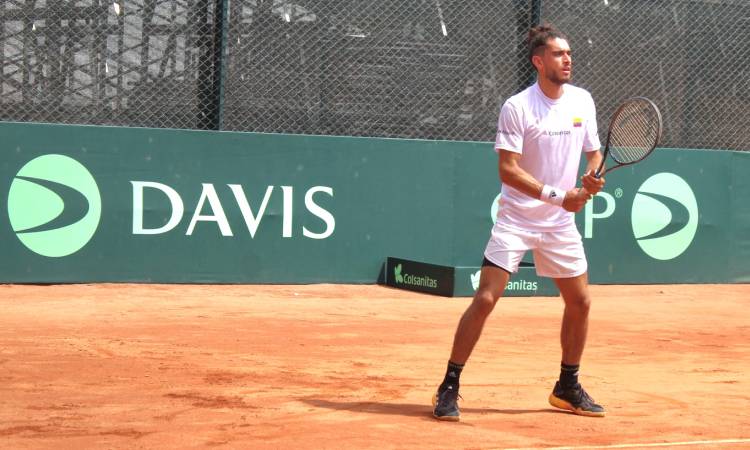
<point>562,404</point>
<point>445,418</point>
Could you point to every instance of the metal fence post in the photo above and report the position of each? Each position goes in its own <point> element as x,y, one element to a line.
<point>221,30</point>
<point>536,12</point>
<point>213,70</point>
<point>528,14</point>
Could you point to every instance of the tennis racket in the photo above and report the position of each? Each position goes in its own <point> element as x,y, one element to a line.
<point>634,133</point>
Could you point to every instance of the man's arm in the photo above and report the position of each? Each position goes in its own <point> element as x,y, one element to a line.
<point>514,176</point>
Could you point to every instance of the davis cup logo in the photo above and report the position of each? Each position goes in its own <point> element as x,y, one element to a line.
<point>664,216</point>
<point>54,205</point>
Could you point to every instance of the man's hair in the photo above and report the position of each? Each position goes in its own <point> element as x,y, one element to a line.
<point>538,37</point>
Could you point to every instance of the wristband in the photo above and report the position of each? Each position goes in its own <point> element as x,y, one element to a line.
<point>552,195</point>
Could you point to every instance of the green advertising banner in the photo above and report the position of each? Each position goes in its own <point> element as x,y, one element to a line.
<point>738,235</point>
<point>452,281</point>
<point>658,221</point>
<point>668,219</point>
<point>87,204</point>
<point>524,283</point>
<point>97,204</point>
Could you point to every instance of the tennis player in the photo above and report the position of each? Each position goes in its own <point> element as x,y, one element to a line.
<point>541,134</point>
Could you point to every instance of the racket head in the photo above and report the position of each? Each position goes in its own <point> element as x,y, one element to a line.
<point>634,131</point>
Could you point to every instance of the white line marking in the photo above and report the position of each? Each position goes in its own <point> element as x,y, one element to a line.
<point>659,444</point>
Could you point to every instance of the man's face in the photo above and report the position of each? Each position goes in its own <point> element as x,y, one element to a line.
<point>555,61</point>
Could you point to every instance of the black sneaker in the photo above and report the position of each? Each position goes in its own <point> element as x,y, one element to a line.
<point>575,399</point>
<point>445,402</point>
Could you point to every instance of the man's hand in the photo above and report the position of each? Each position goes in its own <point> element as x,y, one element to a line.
<point>575,199</point>
<point>592,184</point>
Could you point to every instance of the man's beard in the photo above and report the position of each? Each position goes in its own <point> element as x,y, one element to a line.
<point>559,80</point>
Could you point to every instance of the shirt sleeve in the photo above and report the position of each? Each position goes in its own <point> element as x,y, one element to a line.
<point>509,130</point>
<point>591,136</point>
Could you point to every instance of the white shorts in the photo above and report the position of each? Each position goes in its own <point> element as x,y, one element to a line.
<point>557,254</point>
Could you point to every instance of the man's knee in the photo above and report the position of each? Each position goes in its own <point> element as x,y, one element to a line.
<point>484,302</point>
<point>581,304</point>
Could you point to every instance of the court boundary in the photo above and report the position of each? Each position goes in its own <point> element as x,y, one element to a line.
<point>643,445</point>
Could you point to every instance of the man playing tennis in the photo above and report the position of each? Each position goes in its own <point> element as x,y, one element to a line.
<point>541,134</point>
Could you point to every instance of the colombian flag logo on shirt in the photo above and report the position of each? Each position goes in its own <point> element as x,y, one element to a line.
<point>577,122</point>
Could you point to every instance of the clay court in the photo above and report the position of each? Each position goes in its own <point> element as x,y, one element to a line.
<point>331,366</point>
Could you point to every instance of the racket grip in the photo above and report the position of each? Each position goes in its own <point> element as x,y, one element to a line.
<point>598,174</point>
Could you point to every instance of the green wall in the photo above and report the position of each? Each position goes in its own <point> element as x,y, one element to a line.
<point>335,208</point>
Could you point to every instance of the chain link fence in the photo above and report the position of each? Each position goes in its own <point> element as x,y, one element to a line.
<point>428,69</point>
<point>689,56</point>
<point>432,69</point>
<point>131,63</point>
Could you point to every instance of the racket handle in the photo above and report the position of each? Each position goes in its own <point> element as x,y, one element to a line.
<point>598,173</point>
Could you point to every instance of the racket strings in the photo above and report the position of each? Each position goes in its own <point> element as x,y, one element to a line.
<point>634,132</point>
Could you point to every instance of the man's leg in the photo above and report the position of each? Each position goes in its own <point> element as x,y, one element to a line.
<point>568,393</point>
<point>575,322</point>
<point>492,283</point>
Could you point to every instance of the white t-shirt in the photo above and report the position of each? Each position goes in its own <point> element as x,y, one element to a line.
<point>550,136</point>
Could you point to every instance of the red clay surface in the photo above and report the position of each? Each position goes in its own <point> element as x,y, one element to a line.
<point>330,366</point>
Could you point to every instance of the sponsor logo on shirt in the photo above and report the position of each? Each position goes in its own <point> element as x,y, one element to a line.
<point>577,122</point>
<point>557,133</point>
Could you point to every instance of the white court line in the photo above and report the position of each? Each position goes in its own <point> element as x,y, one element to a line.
<point>659,444</point>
